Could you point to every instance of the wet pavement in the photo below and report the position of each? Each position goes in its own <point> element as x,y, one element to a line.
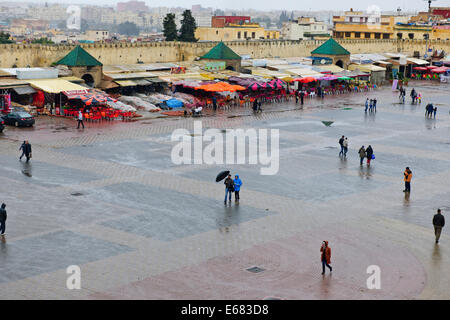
<point>109,199</point>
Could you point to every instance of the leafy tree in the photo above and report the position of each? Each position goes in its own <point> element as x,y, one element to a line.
<point>128,29</point>
<point>170,27</point>
<point>42,41</point>
<point>4,38</point>
<point>188,26</point>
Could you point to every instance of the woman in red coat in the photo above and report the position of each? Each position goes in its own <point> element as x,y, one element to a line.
<point>325,257</point>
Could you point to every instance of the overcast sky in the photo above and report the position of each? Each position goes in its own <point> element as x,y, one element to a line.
<point>385,5</point>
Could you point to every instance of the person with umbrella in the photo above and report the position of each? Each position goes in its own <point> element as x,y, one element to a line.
<point>229,188</point>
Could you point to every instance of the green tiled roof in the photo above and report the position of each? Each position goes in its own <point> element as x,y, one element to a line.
<point>79,57</point>
<point>331,47</point>
<point>221,52</point>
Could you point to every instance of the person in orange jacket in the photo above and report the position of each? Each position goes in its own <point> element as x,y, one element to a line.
<point>407,179</point>
<point>325,257</point>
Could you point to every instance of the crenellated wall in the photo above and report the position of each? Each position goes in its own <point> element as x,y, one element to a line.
<point>36,55</point>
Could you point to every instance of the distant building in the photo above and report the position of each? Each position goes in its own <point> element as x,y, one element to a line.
<point>232,28</point>
<point>226,21</point>
<point>202,21</point>
<point>96,35</point>
<point>134,6</point>
<point>444,12</point>
<point>304,28</point>
<point>365,25</point>
<point>27,26</point>
<point>434,25</point>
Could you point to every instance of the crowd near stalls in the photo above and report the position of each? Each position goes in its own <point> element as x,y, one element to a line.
<point>220,79</point>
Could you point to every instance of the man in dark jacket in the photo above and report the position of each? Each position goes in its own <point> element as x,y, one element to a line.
<point>369,153</point>
<point>2,218</point>
<point>22,148</point>
<point>27,150</point>
<point>255,105</point>
<point>229,188</point>
<point>341,143</point>
<point>438,223</point>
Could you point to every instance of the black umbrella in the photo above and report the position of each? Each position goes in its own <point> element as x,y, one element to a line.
<point>222,175</point>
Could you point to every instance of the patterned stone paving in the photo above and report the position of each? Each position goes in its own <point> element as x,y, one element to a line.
<point>143,228</point>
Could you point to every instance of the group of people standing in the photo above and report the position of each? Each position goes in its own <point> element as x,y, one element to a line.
<point>232,186</point>
<point>371,105</point>
<point>430,110</point>
<point>415,97</point>
<point>365,153</point>
<point>343,142</point>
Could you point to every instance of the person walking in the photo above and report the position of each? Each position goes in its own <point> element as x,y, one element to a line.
<point>237,188</point>
<point>2,218</point>
<point>297,93</point>
<point>413,95</point>
<point>407,178</point>
<point>370,105</point>
<point>341,143</point>
<point>255,105</point>
<point>434,112</point>
<point>345,144</point>
<point>27,150</point>
<point>325,256</point>
<point>214,101</point>
<point>375,105</point>
<point>369,153</point>
<point>80,119</point>
<point>302,97</point>
<point>22,148</point>
<point>367,105</point>
<point>229,188</point>
<point>438,223</point>
<point>362,155</point>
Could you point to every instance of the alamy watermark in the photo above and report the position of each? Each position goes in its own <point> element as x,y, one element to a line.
<point>74,279</point>
<point>73,22</point>
<point>374,281</point>
<point>214,146</point>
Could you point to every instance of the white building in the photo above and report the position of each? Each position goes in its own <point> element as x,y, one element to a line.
<point>304,28</point>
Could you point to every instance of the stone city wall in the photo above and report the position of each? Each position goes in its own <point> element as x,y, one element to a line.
<point>36,55</point>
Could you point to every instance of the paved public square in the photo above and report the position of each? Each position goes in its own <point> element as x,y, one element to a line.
<point>110,200</point>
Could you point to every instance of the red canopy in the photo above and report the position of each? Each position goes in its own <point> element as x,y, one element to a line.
<point>305,80</point>
<point>440,70</point>
<point>420,68</point>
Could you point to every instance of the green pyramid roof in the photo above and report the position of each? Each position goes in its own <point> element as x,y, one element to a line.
<point>331,47</point>
<point>221,52</point>
<point>79,57</point>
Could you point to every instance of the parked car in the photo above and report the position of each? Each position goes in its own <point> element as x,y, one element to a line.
<point>2,124</point>
<point>19,119</point>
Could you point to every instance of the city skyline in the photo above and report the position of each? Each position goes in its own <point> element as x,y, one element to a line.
<point>385,5</point>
